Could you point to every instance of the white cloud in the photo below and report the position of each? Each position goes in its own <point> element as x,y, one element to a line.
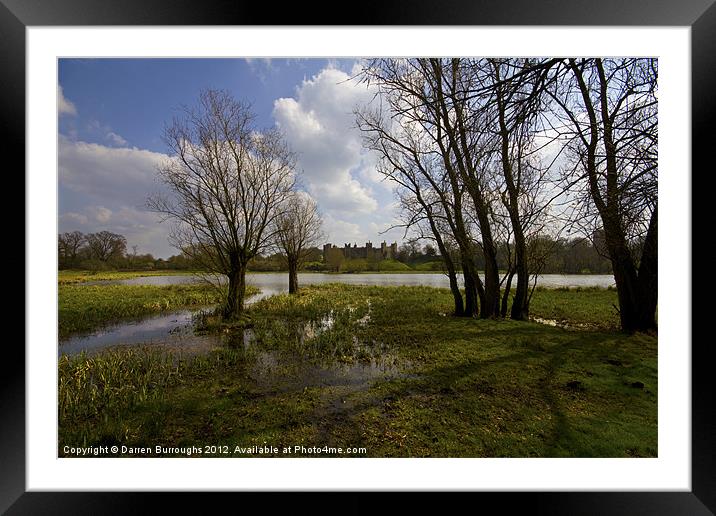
<point>105,188</point>
<point>253,61</point>
<point>143,229</point>
<point>261,67</point>
<point>339,231</point>
<point>107,173</point>
<point>64,106</point>
<point>140,227</point>
<point>71,221</point>
<point>100,214</point>
<point>116,139</point>
<point>319,124</point>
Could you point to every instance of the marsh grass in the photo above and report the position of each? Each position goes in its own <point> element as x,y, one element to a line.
<point>82,308</point>
<point>66,277</point>
<point>454,387</point>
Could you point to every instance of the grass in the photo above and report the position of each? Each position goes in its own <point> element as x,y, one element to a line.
<point>590,307</point>
<point>82,308</point>
<point>382,368</point>
<point>65,277</point>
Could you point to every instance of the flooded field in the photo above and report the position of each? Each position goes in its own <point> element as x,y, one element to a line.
<point>175,330</point>
<point>382,370</point>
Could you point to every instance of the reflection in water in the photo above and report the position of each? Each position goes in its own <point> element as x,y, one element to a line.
<point>304,360</point>
<point>174,331</point>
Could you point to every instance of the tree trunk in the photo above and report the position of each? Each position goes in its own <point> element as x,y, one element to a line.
<point>506,293</point>
<point>637,294</point>
<point>481,297</point>
<point>292,276</point>
<point>237,291</point>
<point>626,282</point>
<point>456,294</point>
<point>463,168</point>
<point>492,282</point>
<point>469,273</point>
<point>447,260</point>
<point>520,304</point>
<point>452,277</point>
<point>648,279</point>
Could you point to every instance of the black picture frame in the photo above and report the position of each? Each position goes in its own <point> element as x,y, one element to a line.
<point>700,15</point>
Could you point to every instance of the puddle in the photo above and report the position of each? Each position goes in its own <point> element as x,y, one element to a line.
<point>548,322</point>
<point>173,331</point>
<point>276,356</point>
<point>283,371</point>
<point>562,324</point>
<point>312,329</point>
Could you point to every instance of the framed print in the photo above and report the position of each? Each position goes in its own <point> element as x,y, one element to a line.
<point>525,359</point>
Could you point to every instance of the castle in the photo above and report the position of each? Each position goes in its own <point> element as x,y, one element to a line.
<point>385,252</point>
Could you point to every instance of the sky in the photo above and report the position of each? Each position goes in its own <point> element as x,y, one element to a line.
<point>112,112</point>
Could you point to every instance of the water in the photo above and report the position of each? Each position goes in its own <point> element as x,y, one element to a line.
<point>301,364</point>
<point>277,282</point>
<point>175,330</point>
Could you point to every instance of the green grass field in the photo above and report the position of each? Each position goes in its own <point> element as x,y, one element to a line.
<point>386,369</point>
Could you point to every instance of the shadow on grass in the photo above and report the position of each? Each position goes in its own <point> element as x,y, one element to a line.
<point>455,388</point>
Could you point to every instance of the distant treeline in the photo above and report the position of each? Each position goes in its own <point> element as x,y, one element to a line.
<point>106,251</point>
<point>558,256</point>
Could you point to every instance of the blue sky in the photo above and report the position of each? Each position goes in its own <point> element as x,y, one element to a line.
<point>112,113</point>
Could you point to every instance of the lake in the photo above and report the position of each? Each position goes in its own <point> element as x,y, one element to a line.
<point>272,283</point>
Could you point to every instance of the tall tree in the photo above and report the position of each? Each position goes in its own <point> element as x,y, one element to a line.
<point>514,105</point>
<point>227,182</point>
<point>457,122</point>
<point>298,229</point>
<point>426,199</point>
<point>421,99</point>
<point>611,107</point>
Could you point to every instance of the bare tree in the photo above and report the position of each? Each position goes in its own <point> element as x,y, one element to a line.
<point>105,245</point>
<point>458,130</point>
<point>298,228</point>
<point>611,107</point>
<point>514,103</point>
<point>227,183</point>
<point>442,97</point>
<point>426,198</point>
